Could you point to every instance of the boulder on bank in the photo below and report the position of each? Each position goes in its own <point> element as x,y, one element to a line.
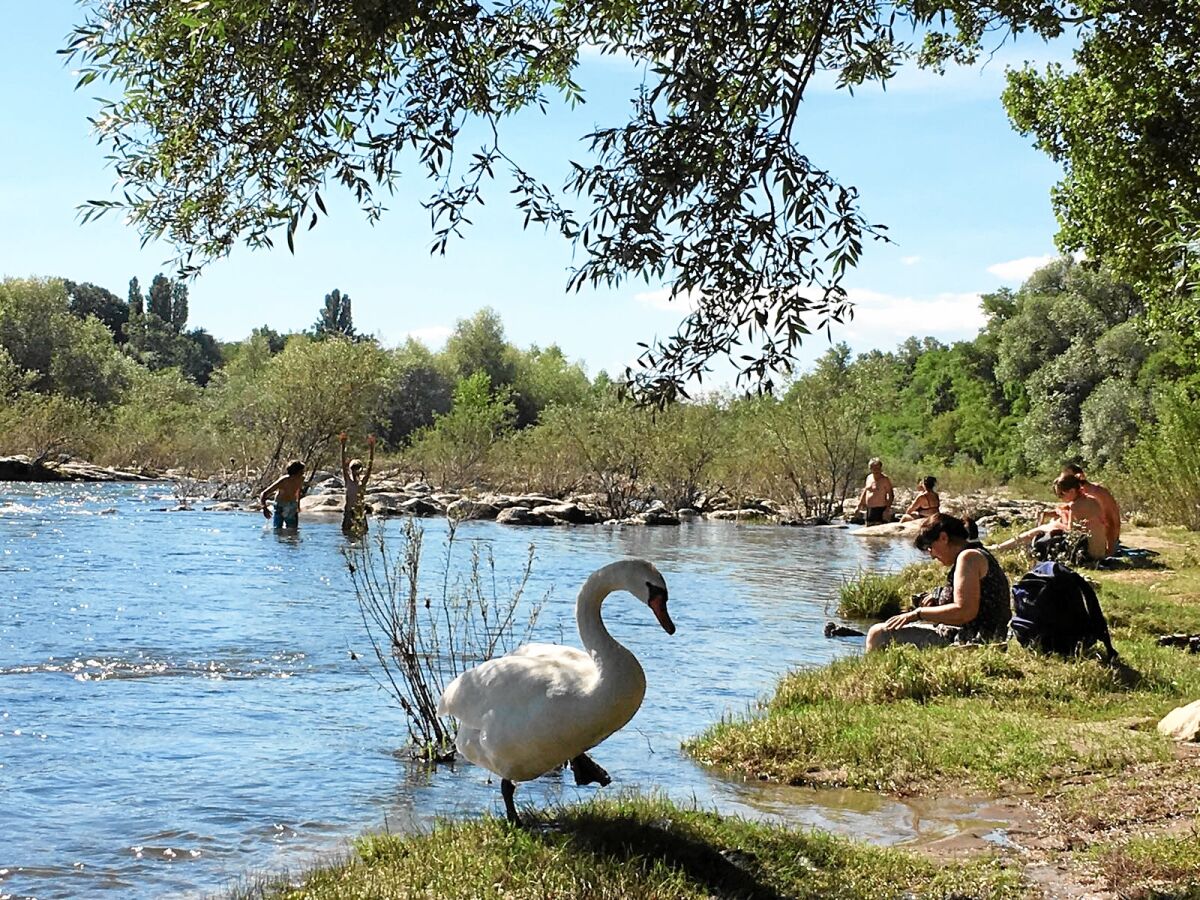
<point>22,468</point>
<point>568,513</point>
<point>889,529</point>
<point>464,509</point>
<point>422,507</point>
<point>1182,724</point>
<point>519,515</point>
<point>322,503</point>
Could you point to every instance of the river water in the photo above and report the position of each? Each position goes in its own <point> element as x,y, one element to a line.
<point>179,705</point>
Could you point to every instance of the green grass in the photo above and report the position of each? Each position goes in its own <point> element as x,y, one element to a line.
<point>990,719</point>
<point>633,847</point>
<point>980,719</point>
<point>1160,866</point>
<point>875,595</point>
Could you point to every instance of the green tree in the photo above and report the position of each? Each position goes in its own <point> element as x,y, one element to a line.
<point>335,318</point>
<point>137,303</point>
<point>1164,464</point>
<point>62,354</point>
<point>89,300</point>
<point>1110,419</point>
<point>418,391</point>
<point>179,306</point>
<point>545,377</point>
<point>1122,121</point>
<point>456,447</point>
<point>275,341</point>
<point>155,344</point>
<point>478,345</point>
<point>161,424</point>
<point>159,299</point>
<point>704,188</point>
<point>294,404</point>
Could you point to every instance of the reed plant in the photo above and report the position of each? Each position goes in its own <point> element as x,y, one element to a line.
<point>421,640</point>
<point>878,595</point>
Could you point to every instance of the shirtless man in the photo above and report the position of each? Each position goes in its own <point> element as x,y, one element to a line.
<point>1081,512</point>
<point>1108,504</point>
<point>287,497</point>
<point>877,495</point>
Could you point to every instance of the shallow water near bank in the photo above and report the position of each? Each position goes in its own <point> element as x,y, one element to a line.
<point>179,705</point>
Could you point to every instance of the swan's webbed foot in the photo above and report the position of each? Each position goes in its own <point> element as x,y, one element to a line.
<point>588,772</point>
<point>510,809</point>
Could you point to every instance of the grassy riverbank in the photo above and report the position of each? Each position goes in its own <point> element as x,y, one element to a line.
<point>632,847</point>
<point>1075,737</point>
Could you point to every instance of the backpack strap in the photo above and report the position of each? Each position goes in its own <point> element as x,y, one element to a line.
<point>1096,618</point>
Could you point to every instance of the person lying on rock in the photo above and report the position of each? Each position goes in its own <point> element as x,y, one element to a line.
<point>975,605</point>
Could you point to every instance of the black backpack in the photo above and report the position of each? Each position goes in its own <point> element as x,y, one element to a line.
<point>1055,609</point>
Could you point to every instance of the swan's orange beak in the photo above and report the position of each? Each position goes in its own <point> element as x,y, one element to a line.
<point>658,603</point>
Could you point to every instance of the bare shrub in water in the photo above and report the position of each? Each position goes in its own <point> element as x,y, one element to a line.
<point>423,642</point>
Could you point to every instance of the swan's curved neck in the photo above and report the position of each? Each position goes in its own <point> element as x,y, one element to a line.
<point>592,633</point>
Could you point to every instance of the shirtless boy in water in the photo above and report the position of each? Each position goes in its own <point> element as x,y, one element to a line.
<point>287,497</point>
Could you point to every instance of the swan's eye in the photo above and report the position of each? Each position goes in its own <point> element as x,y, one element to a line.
<point>656,592</point>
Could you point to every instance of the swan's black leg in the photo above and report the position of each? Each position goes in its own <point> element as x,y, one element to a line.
<point>588,772</point>
<point>510,809</point>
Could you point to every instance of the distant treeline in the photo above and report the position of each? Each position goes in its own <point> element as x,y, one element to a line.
<point>1066,367</point>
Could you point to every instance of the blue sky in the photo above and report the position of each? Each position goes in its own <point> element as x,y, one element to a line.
<point>965,199</point>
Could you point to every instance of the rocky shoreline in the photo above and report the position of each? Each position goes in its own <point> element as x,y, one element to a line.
<point>22,468</point>
<point>395,494</point>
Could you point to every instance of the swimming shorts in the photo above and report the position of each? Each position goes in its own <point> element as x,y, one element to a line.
<point>287,514</point>
<point>875,515</point>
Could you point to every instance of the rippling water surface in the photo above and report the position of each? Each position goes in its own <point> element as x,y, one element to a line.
<point>179,705</point>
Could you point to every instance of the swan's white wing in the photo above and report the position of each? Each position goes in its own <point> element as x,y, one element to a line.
<point>517,683</point>
<point>555,651</point>
<point>522,714</point>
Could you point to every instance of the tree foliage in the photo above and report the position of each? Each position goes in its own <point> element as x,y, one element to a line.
<point>1124,121</point>
<point>335,317</point>
<point>235,116</point>
<point>90,300</point>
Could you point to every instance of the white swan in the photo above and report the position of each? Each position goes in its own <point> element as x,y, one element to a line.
<point>523,714</point>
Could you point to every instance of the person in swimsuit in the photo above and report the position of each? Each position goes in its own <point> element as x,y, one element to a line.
<point>974,606</point>
<point>287,490</point>
<point>926,503</point>
<point>875,501</point>
<point>354,514</point>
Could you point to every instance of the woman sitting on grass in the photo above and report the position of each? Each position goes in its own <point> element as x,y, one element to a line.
<point>979,603</point>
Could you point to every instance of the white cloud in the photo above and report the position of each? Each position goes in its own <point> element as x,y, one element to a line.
<point>596,52</point>
<point>432,337</point>
<point>661,299</point>
<point>910,260</point>
<point>883,320</point>
<point>1019,269</point>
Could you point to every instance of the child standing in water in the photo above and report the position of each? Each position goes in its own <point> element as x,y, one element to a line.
<point>354,516</point>
<point>287,497</point>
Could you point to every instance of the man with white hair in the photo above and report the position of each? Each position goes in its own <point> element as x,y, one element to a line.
<point>875,501</point>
